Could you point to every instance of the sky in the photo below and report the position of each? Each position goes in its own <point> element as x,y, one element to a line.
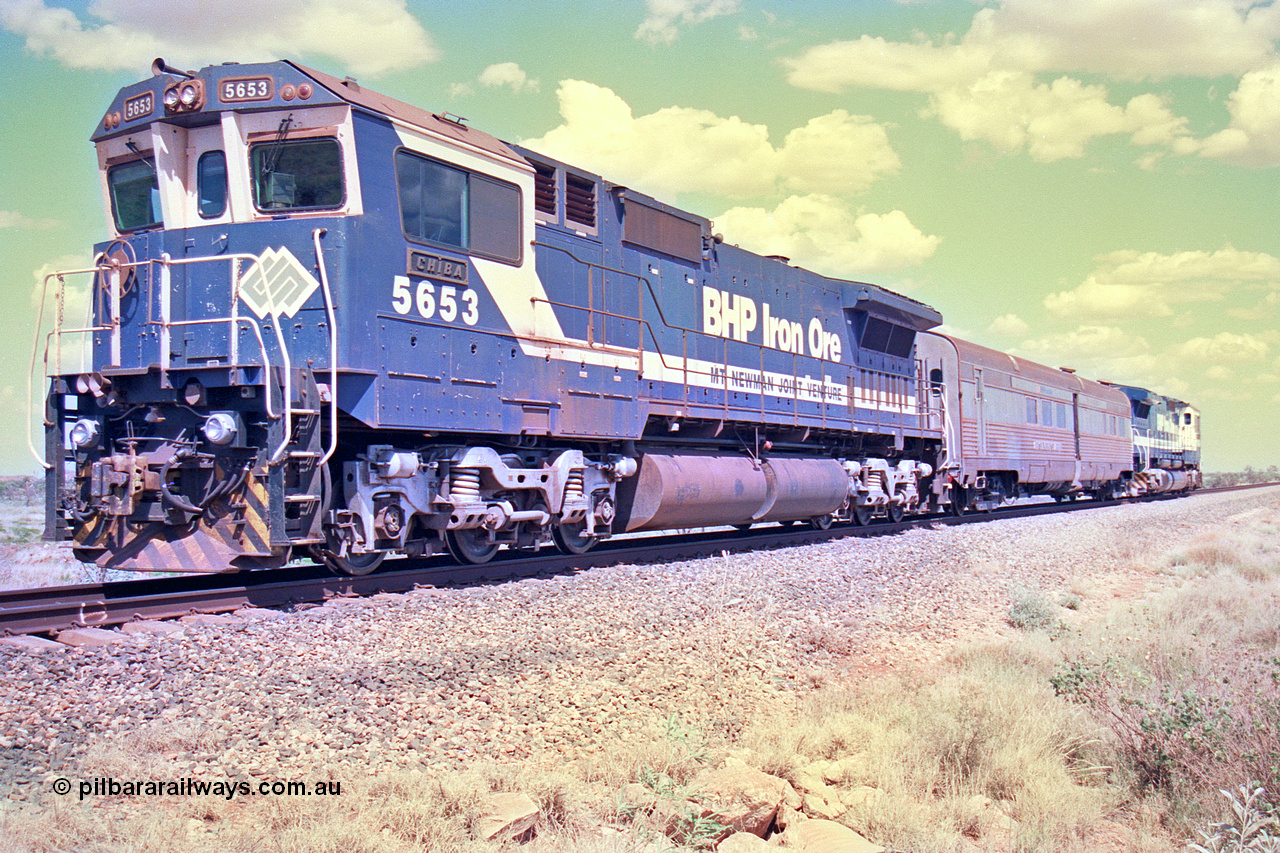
<point>1091,184</point>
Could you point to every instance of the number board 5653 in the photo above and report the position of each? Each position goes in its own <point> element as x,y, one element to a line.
<point>238,89</point>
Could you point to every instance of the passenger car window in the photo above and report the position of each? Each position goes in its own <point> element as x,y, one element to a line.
<point>135,195</point>
<point>300,174</point>
<point>211,184</point>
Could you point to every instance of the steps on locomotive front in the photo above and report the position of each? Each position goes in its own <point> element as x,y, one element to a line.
<point>298,475</point>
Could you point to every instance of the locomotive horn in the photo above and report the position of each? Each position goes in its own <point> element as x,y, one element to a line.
<point>159,67</point>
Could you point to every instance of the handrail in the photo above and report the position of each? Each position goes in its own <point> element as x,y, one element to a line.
<point>35,347</point>
<point>288,393</point>
<point>683,366</point>
<point>284,349</point>
<point>53,339</point>
<point>333,349</point>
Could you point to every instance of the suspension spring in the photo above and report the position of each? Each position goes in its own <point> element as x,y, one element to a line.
<point>465,488</point>
<point>573,486</point>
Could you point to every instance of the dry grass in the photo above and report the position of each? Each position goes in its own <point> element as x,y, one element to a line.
<point>1100,735</point>
<point>1189,680</point>
<point>987,740</point>
<point>580,806</point>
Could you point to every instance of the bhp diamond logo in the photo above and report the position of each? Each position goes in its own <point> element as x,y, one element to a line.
<point>278,284</point>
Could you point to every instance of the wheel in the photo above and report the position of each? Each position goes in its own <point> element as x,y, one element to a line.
<point>861,515</point>
<point>352,564</point>
<point>820,522</point>
<point>573,538</point>
<point>958,499</point>
<point>742,528</point>
<point>355,564</point>
<point>895,513</point>
<point>471,545</point>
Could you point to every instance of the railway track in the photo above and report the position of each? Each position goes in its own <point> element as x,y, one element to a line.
<point>48,610</point>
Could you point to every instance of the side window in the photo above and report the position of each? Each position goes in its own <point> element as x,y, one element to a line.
<point>135,195</point>
<point>448,206</point>
<point>433,199</point>
<point>211,184</point>
<point>495,218</point>
<point>302,174</point>
<point>1031,410</point>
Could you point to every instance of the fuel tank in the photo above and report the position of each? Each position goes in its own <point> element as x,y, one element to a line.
<point>680,491</point>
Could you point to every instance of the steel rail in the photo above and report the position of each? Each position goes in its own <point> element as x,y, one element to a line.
<point>48,610</point>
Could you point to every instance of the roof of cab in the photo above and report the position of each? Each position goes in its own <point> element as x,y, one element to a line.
<point>352,92</point>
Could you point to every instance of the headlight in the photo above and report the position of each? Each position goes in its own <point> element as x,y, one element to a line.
<point>85,433</point>
<point>184,97</point>
<point>220,428</point>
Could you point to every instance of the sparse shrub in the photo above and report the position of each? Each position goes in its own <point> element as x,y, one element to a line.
<point>1220,722</point>
<point>1253,828</point>
<point>1032,610</point>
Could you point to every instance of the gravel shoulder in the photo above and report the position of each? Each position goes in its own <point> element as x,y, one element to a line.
<point>545,671</point>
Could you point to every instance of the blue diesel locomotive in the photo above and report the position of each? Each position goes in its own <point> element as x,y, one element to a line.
<point>1166,443</point>
<point>329,323</point>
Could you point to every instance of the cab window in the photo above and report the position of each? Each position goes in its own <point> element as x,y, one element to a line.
<point>300,174</point>
<point>135,195</point>
<point>211,184</point>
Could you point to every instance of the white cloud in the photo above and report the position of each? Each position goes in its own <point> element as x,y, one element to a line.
<point>666,152</point>
<point>368,37</point>
<point>679,149</point>
<point>1051,121</point>
<point>1009,326</point>
<point>991,84</point>
<point>1253,136</point>
<point>874,62</point>
<point>1131,284</point>
<point>662,24</point>
<point>1226,348</point>
<point>508,74</point>
<point>837,153</point>
<point>1129,38</point>
<point>19,222</point>
<point>1096,352</point>
<point>1120,38</point>
<point>824,234</point>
